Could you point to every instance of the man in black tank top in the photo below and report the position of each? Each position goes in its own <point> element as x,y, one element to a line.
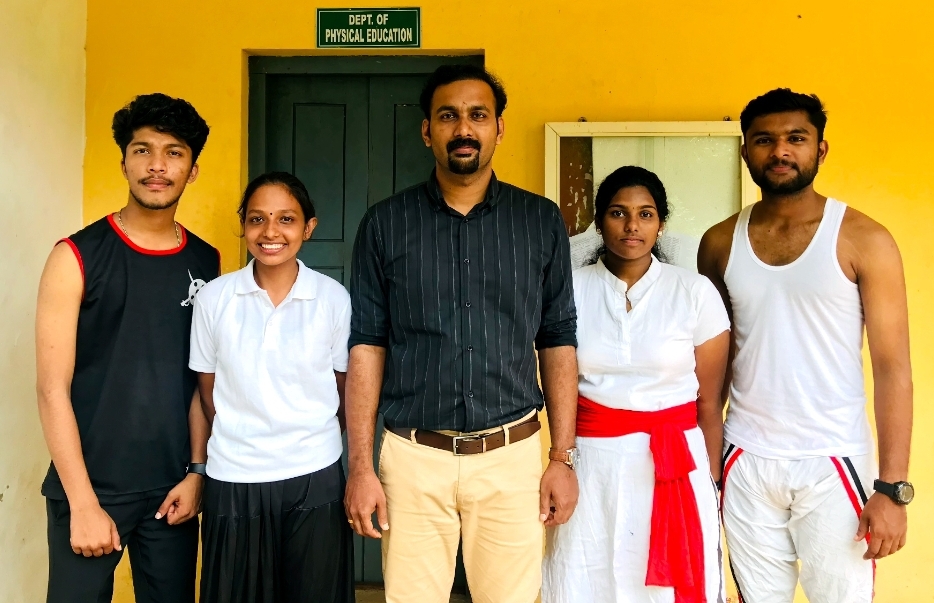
<point>118,404</point>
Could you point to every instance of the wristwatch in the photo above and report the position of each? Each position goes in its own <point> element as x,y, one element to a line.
<point>901,492</point>
<point>568,457</point>
<point>199,468</point>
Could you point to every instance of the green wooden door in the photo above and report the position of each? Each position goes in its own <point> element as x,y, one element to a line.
<point>318,130</point>
<point>353,140</point>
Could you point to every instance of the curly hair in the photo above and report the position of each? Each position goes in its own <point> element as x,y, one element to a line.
<point>167,115</point>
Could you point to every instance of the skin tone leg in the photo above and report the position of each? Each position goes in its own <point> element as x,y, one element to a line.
<point>157,167</point>
<point>783,152</point>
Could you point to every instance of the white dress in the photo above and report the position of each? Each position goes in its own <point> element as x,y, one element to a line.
<point>641,360</point>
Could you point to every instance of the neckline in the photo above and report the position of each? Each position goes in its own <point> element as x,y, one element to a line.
<point>636,292</point>
<point>304,286</point>
<point>143,250</point>
<point>811,244</point>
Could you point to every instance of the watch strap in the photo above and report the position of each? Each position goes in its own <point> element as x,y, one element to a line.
<point>561,456</point>
<point>198,468</point>
<point>885,488</point>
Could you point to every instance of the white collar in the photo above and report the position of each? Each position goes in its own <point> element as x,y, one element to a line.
<point>305,287</point>
<point>639,288</point>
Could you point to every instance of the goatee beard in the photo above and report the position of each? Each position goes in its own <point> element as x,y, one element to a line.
<point>464,167</point>
<point>801,181</point>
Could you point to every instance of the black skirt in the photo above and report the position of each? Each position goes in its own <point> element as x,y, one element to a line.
<point>277,542</point>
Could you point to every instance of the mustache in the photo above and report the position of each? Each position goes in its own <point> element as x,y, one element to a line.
<point>148,179</point>
<point>463,142</point>
<point>783,163</point>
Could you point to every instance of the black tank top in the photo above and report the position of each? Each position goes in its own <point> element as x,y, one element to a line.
<point>132,387</point>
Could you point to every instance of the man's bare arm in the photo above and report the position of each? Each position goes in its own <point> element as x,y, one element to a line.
<point>199,429</point>
<point>710,366</point>
<point>559,488</point>
<point>206,391</point>
<point>60,290</point>
<point>712,258</point>
<point>364,493</point>
<point>341,379</point>
<point>881,281</point>
<point>183,501</point>
<point>559,385</point>
<point>364,382</point>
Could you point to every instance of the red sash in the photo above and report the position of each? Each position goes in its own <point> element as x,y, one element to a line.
<point>676,544</point>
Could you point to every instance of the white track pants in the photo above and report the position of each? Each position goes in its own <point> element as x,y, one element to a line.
<point>777,512</point>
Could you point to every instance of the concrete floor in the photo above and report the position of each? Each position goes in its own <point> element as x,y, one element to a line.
<point>375,595</point>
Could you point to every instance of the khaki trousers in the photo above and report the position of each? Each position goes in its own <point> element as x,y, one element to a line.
<point>434,498</point>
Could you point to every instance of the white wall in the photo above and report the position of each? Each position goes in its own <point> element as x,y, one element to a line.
<point>42,75</point>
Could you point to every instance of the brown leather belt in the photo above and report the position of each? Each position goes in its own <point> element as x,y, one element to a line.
<point>470,444</point>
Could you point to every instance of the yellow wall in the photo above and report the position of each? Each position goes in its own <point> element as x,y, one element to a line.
<point>607,60</point>
<point>41,150</point>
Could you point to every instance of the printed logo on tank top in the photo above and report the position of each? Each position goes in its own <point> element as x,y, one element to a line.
<point>193,288</point>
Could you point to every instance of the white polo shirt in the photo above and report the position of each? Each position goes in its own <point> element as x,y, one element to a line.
<point>643,359</point>
<point>275,392</point>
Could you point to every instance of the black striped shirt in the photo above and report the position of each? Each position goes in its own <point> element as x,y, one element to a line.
<point>458,301</point>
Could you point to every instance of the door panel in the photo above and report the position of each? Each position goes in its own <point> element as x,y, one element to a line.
<point>399,158</point>
<point>413,160</point>
<point>318,130</point>
<point>318,159</point>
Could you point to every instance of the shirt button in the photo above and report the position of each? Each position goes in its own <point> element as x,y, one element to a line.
<point>467,304</point>
<point>466,260</point>
<point>466,220</point>
<point>470,394</point>
<point>470,348</point>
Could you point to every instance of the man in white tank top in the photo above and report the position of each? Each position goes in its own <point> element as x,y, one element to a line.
<point>801,275</point>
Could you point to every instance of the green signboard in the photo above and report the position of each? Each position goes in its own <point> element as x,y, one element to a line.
<point>369,28</point>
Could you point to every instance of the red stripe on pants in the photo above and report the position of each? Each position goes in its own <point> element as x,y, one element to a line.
<point>859,511</point>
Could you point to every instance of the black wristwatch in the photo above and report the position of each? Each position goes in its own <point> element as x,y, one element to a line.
<point>901,492</point>
<point>199,468</point>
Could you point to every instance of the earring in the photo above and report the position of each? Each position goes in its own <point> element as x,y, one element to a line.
<point>598,231</point>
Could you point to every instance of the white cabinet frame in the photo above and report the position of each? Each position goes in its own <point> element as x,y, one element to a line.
<point>555,130</point>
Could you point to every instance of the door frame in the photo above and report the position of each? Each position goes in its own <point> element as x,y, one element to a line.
<point>259,67</point>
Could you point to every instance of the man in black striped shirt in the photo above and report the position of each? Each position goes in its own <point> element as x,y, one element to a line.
<point>454,281</point>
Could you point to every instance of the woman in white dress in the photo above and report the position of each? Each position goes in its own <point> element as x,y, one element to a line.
<point>652,350</point>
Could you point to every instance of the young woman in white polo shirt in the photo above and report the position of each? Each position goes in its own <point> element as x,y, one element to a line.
<point>652,349</point>
<point>270,345</point>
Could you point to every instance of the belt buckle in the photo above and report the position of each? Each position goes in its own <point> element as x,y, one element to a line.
<point>471,438</point>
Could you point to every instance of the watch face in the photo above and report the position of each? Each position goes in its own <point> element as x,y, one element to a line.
<point>904,492</point>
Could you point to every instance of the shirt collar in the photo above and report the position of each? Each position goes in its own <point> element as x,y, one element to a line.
<point>639,288</point>
<point>436,197</point>
<point>305,287</point>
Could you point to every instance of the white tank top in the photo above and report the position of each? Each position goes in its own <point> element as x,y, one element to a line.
<point>797,389</point>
